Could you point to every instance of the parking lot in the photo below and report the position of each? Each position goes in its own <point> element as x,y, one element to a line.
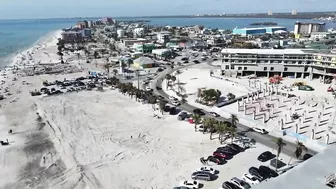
<point>238,165</point>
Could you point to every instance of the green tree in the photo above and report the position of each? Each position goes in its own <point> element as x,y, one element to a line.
<point>280,144</point>
<point>234,120</point>
<point>221,128</point>
<point>197,120</point>
<point>232,132</point>
<point>107,68</point>
<point>168,77</point>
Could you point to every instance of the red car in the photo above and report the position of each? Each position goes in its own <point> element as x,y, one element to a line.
<point>218,154</point>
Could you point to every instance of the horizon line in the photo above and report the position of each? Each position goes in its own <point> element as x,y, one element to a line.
<point>162,16</point>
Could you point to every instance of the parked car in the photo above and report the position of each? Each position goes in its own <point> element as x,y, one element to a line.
<point>262,131</point>
<point>267,171</point>
<point>203,176</point>
<point>206,169</point>
<point>191,184</point>
<point>240,183</point>
<point>199,111</point>
<point>175,103</point>
<point>213,114</point>
<point>182,116</point>
<point>255,172</point>
<point>265,156</point>
<point>229,185</point>
<point>181,187</point>
<point>217,160</point>
<point>235,147</point>
<point>148,89</point>
<point>221,155</point>
<point>172,111</point>
<point>196,61</point>
<point>252,180</point>
<point>226,150</point>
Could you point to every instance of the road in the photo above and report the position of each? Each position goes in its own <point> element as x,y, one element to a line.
<point>264,139</point>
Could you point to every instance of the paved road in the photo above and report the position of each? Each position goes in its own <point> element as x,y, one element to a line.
<point>264,139</point>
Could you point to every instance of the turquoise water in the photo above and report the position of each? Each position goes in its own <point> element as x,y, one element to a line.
<point>16,35</point>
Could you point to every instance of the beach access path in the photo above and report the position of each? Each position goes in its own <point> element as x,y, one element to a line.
<point>265,139</point>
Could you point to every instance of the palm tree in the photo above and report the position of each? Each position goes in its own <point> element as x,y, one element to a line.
<point>168,77</point>
<point>232,131</point>
<point>300,147</point>
<point>197,120</point>
<point>107,68</point>
<point>280,143</point>
<point>177,73</point>
<point>221,128</point>
<point>234,120</point>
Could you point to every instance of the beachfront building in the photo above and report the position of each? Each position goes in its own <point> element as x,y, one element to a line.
<point>107,21</point>
<point>305,29</point>
<point>259,31</point>
<point>86,33</point>
<point>144,47</point>
<point>139,32</point>
<point>72,36</point>
<point>163,37</point>
<point>143,62</point>
<point>162,53</point>
<point>248,31</point>
<point>276,30</point>
<point>131,41</point>
<point>295,63</point>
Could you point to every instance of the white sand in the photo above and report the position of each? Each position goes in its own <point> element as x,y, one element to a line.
<point>96,140</point>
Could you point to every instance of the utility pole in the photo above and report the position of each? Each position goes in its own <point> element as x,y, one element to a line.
<point>137,73</point>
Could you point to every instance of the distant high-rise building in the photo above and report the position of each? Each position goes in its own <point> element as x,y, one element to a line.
<point>302,28</point>
<point>270,13</point>
<point>294,12</point>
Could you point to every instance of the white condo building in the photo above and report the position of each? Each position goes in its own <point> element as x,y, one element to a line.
<point>284,62</point>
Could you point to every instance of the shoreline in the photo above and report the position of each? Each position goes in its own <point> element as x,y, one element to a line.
<point>44,41</point>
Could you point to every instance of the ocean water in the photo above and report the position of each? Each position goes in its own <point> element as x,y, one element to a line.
<point>17,35</point>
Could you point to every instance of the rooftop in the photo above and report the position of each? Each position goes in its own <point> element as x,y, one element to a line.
<point>263,51</point>
<point>308,175</point>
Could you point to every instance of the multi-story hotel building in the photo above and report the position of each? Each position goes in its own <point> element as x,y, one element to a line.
<point>295,63</point>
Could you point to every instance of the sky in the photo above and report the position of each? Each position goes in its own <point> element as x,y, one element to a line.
<point>18,9</point>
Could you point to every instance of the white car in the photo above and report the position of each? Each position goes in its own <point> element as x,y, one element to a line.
<point>213,114</point>
<point>192,184</point>
<point>175,103</point>
<point>206,169</point>
<point>262,131</point>
<point>252,180</point>
<point>171,98</point>
<point>148,89</point>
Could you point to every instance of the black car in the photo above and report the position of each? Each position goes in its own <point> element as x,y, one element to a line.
<point>199,111</point>
<point>265,156</point>
<point>203,176</point>
<point>181,187</point>
<point>226,150</point>
<point>255,172</point>
<point>236,147</point>
<point>196,61</point>
<point>172,111</point>
<point>266,171</point>
<point>229,185</point>
<point>217,160</point>
<point>182,116</point>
